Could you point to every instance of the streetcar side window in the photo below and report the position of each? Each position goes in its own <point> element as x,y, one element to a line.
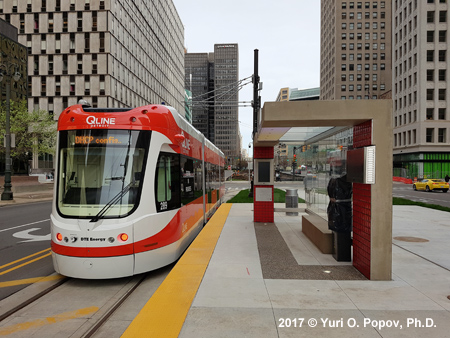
<point>167,182</point>
<point>191,180</point>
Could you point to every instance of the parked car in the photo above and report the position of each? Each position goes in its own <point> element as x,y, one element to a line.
<point>431,185</point>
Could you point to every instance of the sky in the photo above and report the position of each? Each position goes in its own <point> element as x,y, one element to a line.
<point>286,33</point>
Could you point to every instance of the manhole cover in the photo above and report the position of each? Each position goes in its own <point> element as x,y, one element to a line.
<point>410,239</point>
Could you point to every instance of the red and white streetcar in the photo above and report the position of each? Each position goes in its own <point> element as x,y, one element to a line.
<point>133,188</point>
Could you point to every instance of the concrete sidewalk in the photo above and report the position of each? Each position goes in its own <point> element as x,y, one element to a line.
<point>28,189</point>
<point>269,280</point>
<point>236,299</point>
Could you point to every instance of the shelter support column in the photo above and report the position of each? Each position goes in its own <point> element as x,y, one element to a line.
<point>372,207</point>
<point>263,204</point>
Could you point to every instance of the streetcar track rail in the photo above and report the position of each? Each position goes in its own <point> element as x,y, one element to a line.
<point>88,329</point>
<point>111,308</point>
<point>27,296</point>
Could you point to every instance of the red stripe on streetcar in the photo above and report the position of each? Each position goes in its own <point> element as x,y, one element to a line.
<point>121,250</point>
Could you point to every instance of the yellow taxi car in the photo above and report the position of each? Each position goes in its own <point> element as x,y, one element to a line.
<point>431,185</point>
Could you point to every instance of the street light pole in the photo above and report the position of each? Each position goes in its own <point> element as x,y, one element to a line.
<point>7,193</point>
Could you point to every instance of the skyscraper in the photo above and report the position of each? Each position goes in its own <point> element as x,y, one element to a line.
<point>420,88</point>
<point>200,81</point>
<point>355,52</point>
<point>110,53</point>
<point>226,98</point>
<point>214,79</point>
<point>114,53</point>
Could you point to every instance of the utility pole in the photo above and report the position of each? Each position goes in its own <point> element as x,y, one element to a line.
<point>256,103</point>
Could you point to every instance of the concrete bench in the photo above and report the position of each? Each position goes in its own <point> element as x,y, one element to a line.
<point>316,229</point>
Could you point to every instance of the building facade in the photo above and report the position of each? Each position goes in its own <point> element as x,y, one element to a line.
<point>226,100</point>
<point>355,52</point>
<point>421,94</point>
<point>199,81</point>
<point>13,58</point>
<point>111,53</point>
<point>213,79</point>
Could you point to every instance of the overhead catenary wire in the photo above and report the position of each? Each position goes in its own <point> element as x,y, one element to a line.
<point>221,96</point>
<point>216,89</point>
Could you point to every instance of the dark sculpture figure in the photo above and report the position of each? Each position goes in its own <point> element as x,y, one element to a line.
<point>340,207</point>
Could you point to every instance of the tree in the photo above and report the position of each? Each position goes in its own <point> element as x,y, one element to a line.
<point>242,164</point>
<point>35,132</point>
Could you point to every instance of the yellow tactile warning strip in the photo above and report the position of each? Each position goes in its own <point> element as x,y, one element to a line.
<point>165,312</point>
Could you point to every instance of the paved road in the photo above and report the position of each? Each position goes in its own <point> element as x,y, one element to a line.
<point>406,191</point>
<point>24,245</point>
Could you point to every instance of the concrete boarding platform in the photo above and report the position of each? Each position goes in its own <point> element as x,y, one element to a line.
<point>246,279</point>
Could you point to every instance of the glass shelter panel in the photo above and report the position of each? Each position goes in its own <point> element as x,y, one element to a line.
<point>324,159</point>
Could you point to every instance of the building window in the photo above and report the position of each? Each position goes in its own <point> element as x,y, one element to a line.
<point>442,74</point>
<point>430,36</point>
<point>441,135</point>
<point>442,36</point>
<point>442,113</point>
<point>442,55</point>
<point>442,16</point>
<point>430,55</point>
<point>430,16</point>
<point>430,94</point>
<point>430,74</point>
<point>86,42</point>
<point>442,94</point>
<point>430,135</point>
<point>430,113</point>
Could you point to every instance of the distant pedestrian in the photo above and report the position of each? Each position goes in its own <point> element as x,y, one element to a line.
<point>447,178</point>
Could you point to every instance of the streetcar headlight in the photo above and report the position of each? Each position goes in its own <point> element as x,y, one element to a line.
<point>122,237</point>
<point>59,237</point>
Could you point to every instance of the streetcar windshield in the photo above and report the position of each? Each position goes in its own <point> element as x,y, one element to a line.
<point>99,168</point>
